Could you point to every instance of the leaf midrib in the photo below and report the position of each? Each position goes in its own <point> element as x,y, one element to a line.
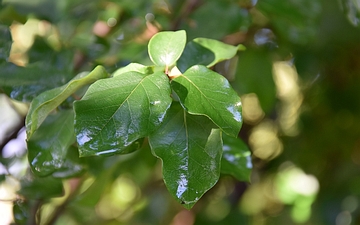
<point>190,81</point>
<point>120,106</point>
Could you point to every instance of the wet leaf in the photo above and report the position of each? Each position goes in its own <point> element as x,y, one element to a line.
<point>166,47</point>
<point>236,159</point>
<point>204,92</point>
<point>207,52</point>
<point>72,165</point>
<point>117,111</point>
<point>190,149</point>
<point>195,54</point>
<point>47,101</point>
<point>47,148</point>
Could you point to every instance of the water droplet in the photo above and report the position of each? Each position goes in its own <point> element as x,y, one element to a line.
<point>182,185</point>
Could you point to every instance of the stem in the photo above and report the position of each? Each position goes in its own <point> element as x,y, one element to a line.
<point>61,208</point>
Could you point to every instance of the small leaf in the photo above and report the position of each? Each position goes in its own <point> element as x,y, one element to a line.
<point>47,101</point>
<point>190,149</point>
<point>195,54</point>
<point>236,159</point>
<point>166,47</point>
<point>21,211</point>
<point>48,146</point>
<point>203,92</point>
<point>117,111</point>
<point>136,67</point>
<point>207,52</point>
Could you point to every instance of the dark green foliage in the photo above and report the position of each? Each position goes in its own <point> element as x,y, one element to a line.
<point>134,111</point>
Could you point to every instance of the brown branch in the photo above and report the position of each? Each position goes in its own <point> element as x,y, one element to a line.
<point>12,135</point>
<point>187,8</point>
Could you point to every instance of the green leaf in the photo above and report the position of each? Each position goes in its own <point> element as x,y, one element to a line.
<point>195,54</point>
<point>25,83</point>
<point>252,78</point>
<point>166,47</point>
<point>48,146</point>
<point>190,149</point>
<point>72,165</point>
<point>203,92</point>
<point>221,50</point>
<point>40,187</point>
<point>5,42</point>
<point>136,67</point>
<point>207,52</point>
<point>236,159</point>
<point>21,212</point>
<point>116,112</point>
<point>47,101</point>
<point>8,15</point>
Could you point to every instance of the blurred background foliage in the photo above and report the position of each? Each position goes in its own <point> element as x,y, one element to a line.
<point>299,80</point>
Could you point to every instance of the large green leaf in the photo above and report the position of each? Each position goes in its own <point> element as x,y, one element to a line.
<point>208,52</point>
<point>47,101</point>
<point>117,111</point>
<point>204,92</point>
<point>236,159</point>
<point>190,149</point>
<point>48,146</point>
<point>166,47</point>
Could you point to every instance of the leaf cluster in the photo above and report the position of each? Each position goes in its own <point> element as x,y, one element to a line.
<point>183,109</point>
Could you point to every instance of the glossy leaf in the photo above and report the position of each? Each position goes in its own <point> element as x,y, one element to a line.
<point>136,67</point>
<point>117,111</point>
<point>204,92</point>
<point>195,54</point>
<point>190,149</point>
<point>221,50</point>
<point>47,148</point>
<point>208,52</point>
<point>166,47</point>
<point>47,101</point>
<point>72,165</point>
<point>236,159</point>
